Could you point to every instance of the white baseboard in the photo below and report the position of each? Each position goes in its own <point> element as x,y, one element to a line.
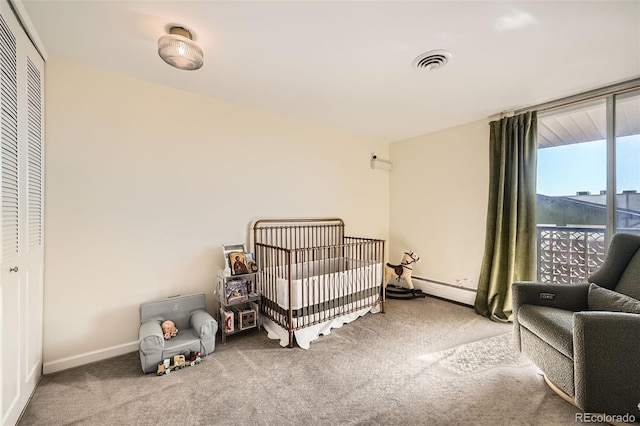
<point>88,357</point>
<point>463,295</point>
<point>446,291</point>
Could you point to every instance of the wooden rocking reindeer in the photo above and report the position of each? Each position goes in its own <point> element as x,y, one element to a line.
<point>404,270</point>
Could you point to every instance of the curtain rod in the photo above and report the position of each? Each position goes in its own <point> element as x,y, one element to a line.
<point>618,88</point>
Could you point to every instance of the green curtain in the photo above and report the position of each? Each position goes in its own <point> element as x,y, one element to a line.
<point>510,246</point>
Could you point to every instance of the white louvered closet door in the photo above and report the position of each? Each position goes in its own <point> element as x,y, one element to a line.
<point>21,170</point>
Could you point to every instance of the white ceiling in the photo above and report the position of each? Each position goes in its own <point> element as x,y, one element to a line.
<point>347,65</point>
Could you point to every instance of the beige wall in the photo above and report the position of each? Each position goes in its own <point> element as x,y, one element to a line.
<point>438,203</point>
<point>144,183</point>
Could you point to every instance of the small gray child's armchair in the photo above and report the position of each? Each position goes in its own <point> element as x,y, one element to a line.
<point>586,337</point>
<point>196,329</point>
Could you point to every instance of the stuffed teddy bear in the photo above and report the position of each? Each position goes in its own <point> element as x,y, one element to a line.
<point>169,329</point>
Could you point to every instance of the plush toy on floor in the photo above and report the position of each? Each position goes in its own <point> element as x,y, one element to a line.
<point>403,271</point>
<point>169,329</point>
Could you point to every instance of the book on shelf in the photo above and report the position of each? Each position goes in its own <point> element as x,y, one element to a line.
<point>235,290</point>
<point>228,318</point>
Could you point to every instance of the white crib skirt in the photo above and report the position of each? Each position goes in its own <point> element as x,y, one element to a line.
<point>306,335</point>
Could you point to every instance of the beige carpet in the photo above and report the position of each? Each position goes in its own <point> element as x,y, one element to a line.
<point>424,362</point>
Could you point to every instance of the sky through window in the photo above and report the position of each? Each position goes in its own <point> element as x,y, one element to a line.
<point>567,169</point>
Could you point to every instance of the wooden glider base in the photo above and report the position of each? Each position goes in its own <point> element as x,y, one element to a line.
<point>567,398</point>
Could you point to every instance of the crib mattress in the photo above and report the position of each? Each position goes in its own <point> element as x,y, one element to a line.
<point>325,294</point>
<point>323,284</point>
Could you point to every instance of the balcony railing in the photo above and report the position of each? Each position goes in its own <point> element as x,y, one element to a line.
<point>571,254</point>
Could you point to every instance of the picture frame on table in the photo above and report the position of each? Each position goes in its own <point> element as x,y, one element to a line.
<point>231,248</point>
<point>252,266</point>
<point>238,263</point>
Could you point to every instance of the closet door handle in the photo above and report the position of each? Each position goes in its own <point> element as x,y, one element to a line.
<point>14,269</point>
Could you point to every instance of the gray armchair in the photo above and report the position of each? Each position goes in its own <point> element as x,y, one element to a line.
<point>586,337</point>
<point>196,329</point>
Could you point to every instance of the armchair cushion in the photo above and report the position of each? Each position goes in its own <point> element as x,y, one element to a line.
<point>553,325</point>
<point>623,248</point>
<point>602,299</point>
<point>630,279</point>
<point>570,297</point>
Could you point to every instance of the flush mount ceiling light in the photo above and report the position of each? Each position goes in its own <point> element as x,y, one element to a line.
<point>432,60</point>
<point>178,49</point>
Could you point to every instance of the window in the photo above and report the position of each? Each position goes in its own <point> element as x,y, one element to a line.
<point>588,183</point>
<point>627,165</point>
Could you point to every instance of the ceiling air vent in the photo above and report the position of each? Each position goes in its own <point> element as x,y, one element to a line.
<point>432,60</point>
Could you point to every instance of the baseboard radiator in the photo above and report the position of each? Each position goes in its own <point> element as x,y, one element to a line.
<point>452,292</point>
